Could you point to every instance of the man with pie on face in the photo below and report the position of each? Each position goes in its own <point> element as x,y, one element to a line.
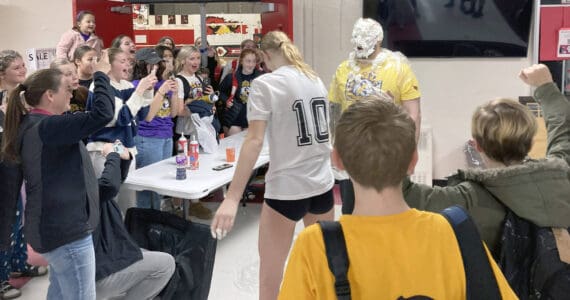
<point>371,72</point>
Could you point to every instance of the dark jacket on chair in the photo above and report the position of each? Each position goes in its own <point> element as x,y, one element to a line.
<point>114,247</point>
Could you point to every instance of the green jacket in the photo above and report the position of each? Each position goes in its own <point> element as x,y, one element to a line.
<point>537,190</point>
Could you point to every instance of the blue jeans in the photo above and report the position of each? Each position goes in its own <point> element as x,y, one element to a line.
<point>72,270</point>
<point>14,259</point>
<point>151,150</point>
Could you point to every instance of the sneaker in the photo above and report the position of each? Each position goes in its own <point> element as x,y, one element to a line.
<point>30,271</point>
<point>249,195</point>
<point>200,211</point>
<point>7,291</point>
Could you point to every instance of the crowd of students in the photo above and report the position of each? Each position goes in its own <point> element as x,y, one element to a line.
<point>73,131</point>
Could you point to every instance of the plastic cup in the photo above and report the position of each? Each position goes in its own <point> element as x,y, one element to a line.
<point>230,154</point>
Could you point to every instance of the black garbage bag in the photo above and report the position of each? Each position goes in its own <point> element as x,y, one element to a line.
<point>190,243</point>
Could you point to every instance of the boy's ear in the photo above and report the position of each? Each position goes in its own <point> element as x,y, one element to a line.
<point>336,161</point>
<point>413,162</point>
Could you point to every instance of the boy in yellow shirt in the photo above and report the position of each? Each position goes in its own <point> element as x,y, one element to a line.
<point>394,251</point>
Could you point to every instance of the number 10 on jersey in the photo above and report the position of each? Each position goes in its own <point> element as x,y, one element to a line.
<point>321,127</point>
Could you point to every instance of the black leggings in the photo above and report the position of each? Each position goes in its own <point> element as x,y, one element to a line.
<point>295,210</point>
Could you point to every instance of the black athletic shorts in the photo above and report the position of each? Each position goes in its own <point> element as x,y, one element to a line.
<point>295,210</point>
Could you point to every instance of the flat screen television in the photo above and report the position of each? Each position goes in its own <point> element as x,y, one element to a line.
<point>454,28</point>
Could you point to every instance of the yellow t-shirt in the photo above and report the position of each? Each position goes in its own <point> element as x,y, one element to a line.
<point>414,253</point>
<point>392,75</point>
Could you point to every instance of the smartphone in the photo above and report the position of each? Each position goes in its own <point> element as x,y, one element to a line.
<point>206,82</point>
<point>222,167</point>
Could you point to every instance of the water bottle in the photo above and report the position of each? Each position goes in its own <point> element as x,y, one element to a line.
<point>193,154</point>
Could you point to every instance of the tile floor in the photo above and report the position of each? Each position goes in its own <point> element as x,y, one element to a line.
<point>236,267</point>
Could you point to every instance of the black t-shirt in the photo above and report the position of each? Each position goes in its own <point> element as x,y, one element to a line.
<point>86,83</point>
<point>244,82</point>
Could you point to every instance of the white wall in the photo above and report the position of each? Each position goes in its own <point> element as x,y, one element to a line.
<point>451,88</point>
<point>33,23</point>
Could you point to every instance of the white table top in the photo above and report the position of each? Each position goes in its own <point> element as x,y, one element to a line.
<point>160,177</point>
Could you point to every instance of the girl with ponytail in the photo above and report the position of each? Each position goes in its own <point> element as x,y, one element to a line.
<point>47,147</point>
<point>14,253</point>
<point>278,44</point>
<point>290,104</point>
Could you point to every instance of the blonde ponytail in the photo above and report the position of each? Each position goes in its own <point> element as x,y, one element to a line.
<point>279,42</point>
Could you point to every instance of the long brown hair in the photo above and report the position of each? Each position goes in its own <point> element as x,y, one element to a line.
<point>30,91</point>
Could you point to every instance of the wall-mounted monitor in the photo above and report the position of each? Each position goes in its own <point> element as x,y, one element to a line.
<point>454,28</point>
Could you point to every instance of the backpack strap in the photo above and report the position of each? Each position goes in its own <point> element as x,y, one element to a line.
<point>201,81</point>
<point>185,85</point>
<point>480,279</point>
<point>337,257</point>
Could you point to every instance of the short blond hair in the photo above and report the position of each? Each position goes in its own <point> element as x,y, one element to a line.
<point>376,141</point>
<point>182,55</point>
<point>504,129</point>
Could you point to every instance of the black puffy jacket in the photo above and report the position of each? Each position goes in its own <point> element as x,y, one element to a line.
<point>191,244</point>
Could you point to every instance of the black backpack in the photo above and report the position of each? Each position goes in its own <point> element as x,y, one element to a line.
<point>191,244</point>
<point>530,260</point>
<point>479,276</point>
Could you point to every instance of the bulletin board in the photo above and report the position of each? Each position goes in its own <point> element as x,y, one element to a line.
<point>553,22</point>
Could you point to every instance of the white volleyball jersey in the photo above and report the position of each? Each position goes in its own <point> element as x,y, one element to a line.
<point>296,109</point>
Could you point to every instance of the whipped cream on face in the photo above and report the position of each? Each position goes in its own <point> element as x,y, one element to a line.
<point>366,33</point>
